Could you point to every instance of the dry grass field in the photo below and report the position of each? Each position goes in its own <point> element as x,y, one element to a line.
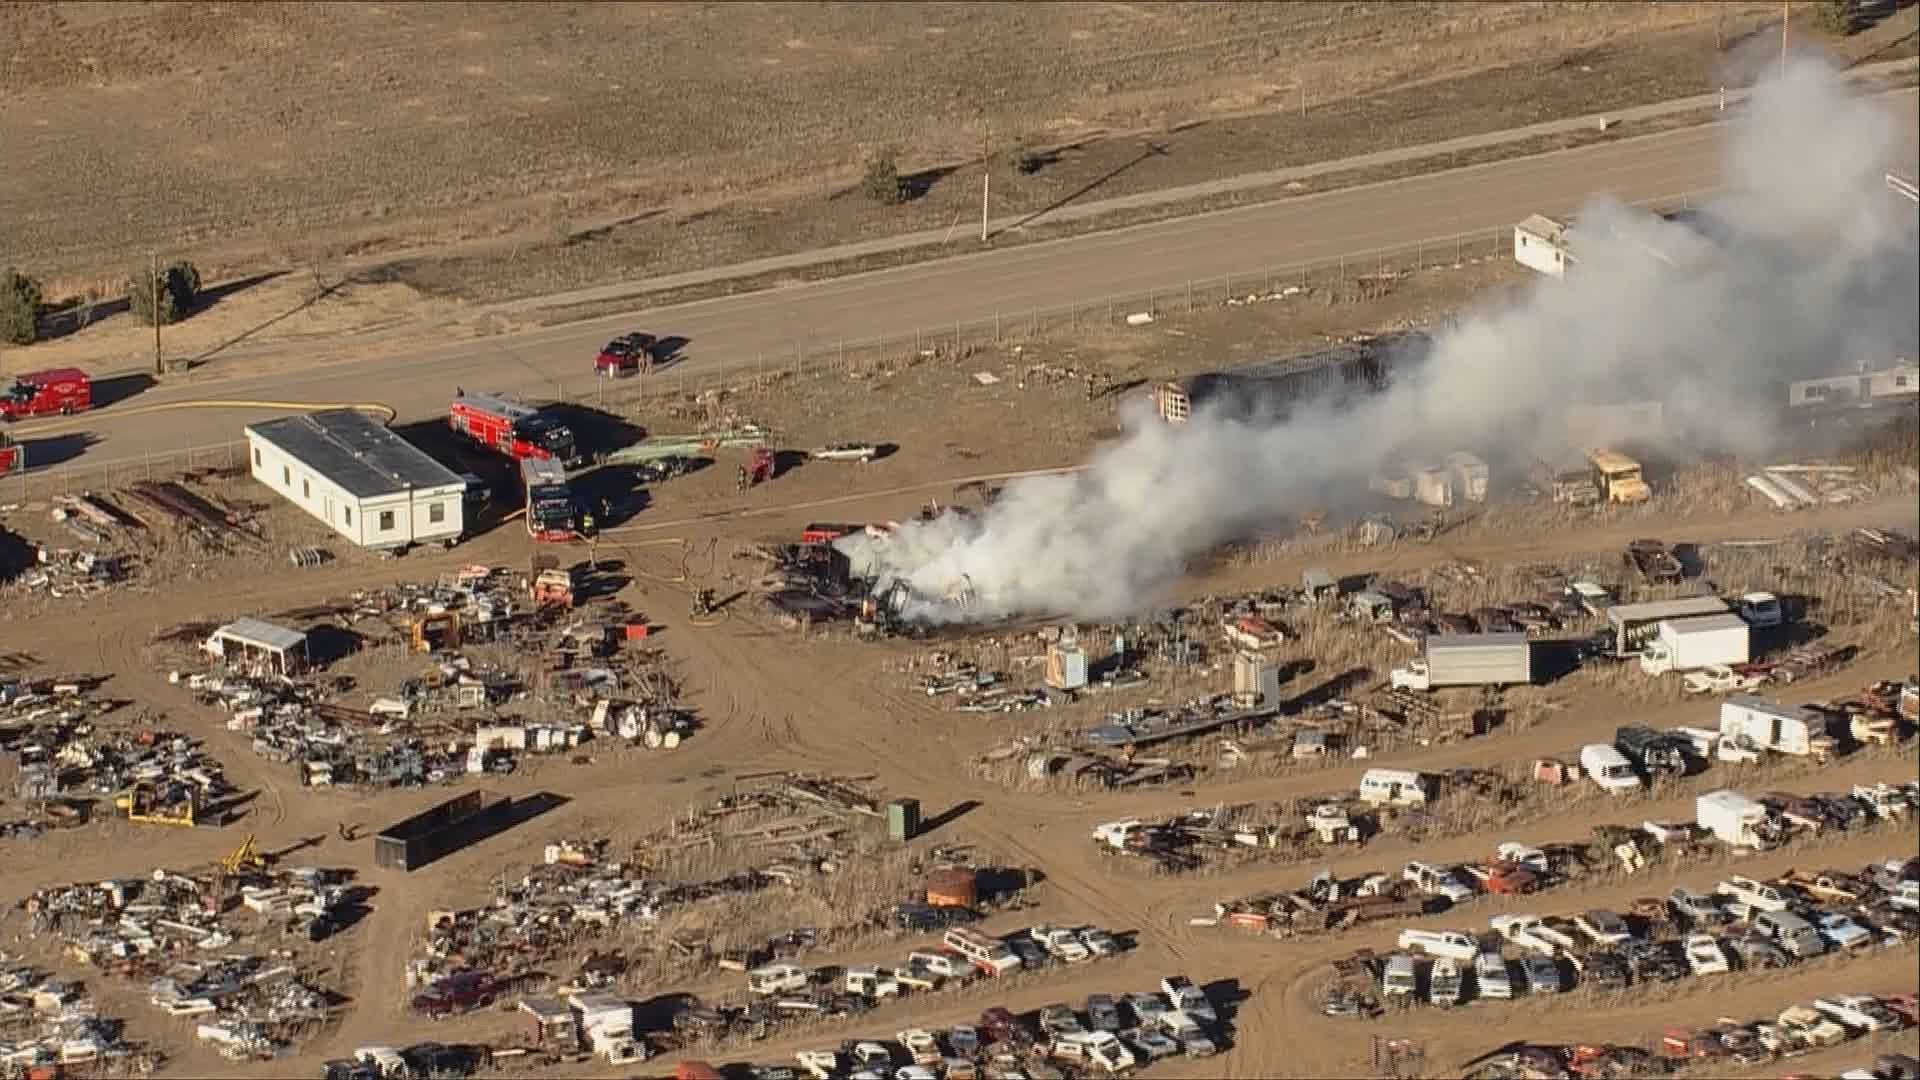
<point>558,145</point>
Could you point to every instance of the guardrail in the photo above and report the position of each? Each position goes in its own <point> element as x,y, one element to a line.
<point>806,355</point>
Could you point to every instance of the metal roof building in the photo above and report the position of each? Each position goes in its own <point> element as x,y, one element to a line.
<point>368,484</point>
<point>260,645</point>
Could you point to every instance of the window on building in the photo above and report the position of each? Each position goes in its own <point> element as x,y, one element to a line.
<point>286,476</point>
<point>256,457</point>
<point>348,511</point>
<point>386,521</point>
<point>437,512</point>
<point>306,489</point>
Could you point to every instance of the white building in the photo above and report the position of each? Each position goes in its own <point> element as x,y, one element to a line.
<point>1542,244</point>
<point>368,484</point>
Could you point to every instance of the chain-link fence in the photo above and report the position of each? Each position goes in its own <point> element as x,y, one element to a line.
<point>1352,274</point>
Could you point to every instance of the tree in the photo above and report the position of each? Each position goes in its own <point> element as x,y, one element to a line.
<point>882,183</point>
<point>1834,16</point>
<point>169,297</point>
<point>19,308</point>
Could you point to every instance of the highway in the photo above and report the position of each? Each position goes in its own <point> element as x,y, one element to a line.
<point>726,332</point>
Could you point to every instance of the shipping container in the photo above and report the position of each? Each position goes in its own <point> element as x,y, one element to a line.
<point>441,830</point>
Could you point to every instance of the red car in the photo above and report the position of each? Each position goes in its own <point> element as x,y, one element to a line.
<point>458,993</point>
<point>43,393</point>
<point>626,355</point>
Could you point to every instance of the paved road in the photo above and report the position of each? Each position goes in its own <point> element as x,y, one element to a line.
<point>739,330</point>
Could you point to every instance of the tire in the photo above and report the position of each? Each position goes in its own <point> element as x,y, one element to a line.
<point>66,410</point>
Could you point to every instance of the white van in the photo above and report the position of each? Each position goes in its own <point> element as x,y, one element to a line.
<point>1393,787</point>
<point>1609,768</point>
<point>778,979</point>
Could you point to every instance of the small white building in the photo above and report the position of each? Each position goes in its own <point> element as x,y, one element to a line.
<point>1542,244</point>
<point>368,484</point>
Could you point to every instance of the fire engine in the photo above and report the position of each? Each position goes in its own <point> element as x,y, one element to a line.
<point>550,505</point>
<point>13,456</point>
<point>42,393</point>
<point>513,429</point>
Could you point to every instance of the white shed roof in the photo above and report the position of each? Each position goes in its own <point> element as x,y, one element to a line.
<point>262,634</point>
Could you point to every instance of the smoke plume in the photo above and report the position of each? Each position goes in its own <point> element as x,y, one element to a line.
<point>1803,266</point>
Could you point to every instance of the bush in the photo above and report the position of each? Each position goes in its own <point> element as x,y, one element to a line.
<point>882,183</point>
<point>1017,159</point>
<point>1834,16</point>
<point>172,295</point>
<point>19,308</point>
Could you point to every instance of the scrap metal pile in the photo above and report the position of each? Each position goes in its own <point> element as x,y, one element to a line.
<point>63,1028</point>
<point>73,753</point>
<point>791,829</point>
<point>579,681</point>
<point>215,945</point>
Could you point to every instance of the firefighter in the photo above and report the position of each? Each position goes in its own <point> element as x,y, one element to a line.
<point>586,524</point>
<point>743,479</point>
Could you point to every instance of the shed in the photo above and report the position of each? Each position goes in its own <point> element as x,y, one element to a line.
<point>1540,243</point>
<point>260,646</point>
<point>552,1020</point>
<point>366,483</point>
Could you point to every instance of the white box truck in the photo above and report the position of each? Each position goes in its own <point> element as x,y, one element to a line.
<point>1468,660</point>
<point>1695,643</point>
<point>1736,820</point>
<point>1770,725</point>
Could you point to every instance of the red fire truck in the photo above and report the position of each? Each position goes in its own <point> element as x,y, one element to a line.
<point>13,456</point>
<point>43,393</point>
<point>551,510</point>
<point>516,430</point>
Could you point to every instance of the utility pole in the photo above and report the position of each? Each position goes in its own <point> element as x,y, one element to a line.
<point>1786,20</point>
<point>153,301</point>
<point>986,182</point>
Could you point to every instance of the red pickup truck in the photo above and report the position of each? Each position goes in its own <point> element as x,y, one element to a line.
<point>62,391</point>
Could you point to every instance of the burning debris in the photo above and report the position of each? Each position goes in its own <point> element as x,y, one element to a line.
<point>1777,298</point>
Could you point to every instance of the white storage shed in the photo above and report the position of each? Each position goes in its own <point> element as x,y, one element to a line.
<point>1542,244</point>
<point>368,484</point>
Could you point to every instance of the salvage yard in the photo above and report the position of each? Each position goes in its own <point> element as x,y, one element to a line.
<point>735,810</point>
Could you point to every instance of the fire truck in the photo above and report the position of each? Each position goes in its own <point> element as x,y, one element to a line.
<point>516,430</point>
<point>551,511</point>
<point>43,393</point>
<point>13,456</point>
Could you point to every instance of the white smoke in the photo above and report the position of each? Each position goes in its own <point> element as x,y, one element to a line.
<point>1812,271</point>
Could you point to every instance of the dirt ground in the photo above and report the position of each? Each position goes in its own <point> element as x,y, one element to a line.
<point>768,699</point>
<point>490,150</point>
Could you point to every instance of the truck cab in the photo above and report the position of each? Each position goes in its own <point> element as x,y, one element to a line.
<point>1761,610</point>
<point>1618,477</point>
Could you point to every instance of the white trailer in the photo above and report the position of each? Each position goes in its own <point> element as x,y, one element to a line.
<point>1468,660</point>
<point>1633,624</point>
<point>1735,819</point>
<point>1770,725</point>
<point>1695,643</point>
